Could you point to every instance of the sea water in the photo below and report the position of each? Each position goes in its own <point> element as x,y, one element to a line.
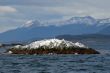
<point>99,63</point>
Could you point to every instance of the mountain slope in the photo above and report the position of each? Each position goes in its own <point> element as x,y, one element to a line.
<point>105,31</point>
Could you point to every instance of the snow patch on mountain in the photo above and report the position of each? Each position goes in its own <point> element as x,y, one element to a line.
<point>32,23</point>
<point>104,21</point>
<point>83,20</point>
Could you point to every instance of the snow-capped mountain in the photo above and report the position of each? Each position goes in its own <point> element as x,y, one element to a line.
<point>88,20</point>
<point>51,43</point>
<point>32,23</point>
<point>35,29</point>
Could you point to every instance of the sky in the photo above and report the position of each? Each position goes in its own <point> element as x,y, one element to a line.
<point>14,13</point>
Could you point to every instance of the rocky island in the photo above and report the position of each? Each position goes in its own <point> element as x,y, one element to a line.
<point>52,46</point>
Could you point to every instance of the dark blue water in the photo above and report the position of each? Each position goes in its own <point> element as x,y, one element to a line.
<point>59,63</point>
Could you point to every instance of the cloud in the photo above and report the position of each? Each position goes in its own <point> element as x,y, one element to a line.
<point>7,9</point>
<point>31,2</point>
<point>40,8</point>
<point>15,12</point>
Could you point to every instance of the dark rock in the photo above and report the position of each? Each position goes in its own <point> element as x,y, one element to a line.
<point>69,50</point>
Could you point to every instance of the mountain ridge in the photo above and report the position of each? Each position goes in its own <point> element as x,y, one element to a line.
<point>73,26</point>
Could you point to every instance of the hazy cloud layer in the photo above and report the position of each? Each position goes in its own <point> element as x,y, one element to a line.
<point>16,12</point>
<point>6,9</point>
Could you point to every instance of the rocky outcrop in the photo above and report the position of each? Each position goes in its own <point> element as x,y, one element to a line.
<point>52,46</point>
<point>53,51</point>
